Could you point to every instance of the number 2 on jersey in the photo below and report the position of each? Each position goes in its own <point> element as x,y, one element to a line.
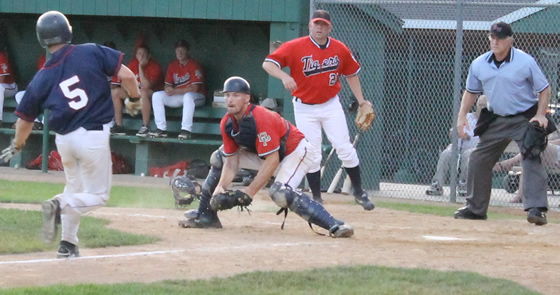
<point>333,77</point>
<point>71,94</point>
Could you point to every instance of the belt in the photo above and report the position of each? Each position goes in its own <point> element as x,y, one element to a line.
<point>301,101</point>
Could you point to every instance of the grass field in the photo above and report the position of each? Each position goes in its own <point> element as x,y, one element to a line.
<point>20,235</point>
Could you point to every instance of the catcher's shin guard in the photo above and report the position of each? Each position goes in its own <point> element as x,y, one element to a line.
<point>308,209</point>
<point>216,163</point>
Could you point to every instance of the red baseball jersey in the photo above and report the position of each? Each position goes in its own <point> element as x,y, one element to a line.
<point>6,69</point>
<point>180,76</point>
<point>271,127</point>
<point>152,71</point>
<point>315,70</point>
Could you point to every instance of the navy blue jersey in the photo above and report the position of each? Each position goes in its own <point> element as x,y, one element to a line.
<point>73,86</point>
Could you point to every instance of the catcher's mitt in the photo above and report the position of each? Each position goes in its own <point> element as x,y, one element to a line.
<point>184,190</point>
<point>534,141</point>
<point>229,200</point>
<point>365,117</point>
<point>133,106</point>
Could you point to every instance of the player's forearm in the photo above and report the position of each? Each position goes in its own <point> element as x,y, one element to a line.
<point>231,165</point>
<point>466,103</point>
<point>544,100</point>
<point>263,176</point>
<point>273,70</point>
<point>23,129</point>
<point>356,87</point>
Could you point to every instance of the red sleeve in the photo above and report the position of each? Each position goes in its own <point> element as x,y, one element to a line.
<point>230,147</point>
<point>4,65</point>
<point>133,65</point>
<point>281,55</point>
<point>196,73</point>
<point>169,75</point>
<point>349,64</point>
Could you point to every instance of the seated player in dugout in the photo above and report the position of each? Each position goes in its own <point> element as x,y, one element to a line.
<point>258,139</point>
<point>8,86</point>
<point>184,87</point>
<point>150,78</point>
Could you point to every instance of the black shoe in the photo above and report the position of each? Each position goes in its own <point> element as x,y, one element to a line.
<point>185,134</point>
<point>363,200</point>
<point>466,213</point>
<point>318,200</point>
<point>68,250</point>
<point>118,130</point>
<point>143,131</point>
<point>536,216</point>
<point>201,223</point>
<point>158,133</point>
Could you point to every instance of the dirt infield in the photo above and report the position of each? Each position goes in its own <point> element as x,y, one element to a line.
<point>510,249</point>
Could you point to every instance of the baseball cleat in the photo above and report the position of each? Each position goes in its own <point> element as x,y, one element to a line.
<point>364,200</point>
<point>193,213</point>
<point>434,190</point>
<point>341,231</point>
<point>51,219</point>
<point>68,250</point>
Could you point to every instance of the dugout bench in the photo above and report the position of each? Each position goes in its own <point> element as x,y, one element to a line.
<point>143,152</point>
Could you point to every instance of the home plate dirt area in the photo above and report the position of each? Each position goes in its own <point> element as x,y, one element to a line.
<point>510,249</point>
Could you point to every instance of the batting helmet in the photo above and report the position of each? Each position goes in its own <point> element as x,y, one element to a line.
<point>53,28</point>
<point>237,84</point>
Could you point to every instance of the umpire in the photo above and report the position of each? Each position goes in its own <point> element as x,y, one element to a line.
<point>518,93</point>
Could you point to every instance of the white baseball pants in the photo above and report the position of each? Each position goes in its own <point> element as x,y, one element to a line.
<point>188,101</point>
<point>6,90</point>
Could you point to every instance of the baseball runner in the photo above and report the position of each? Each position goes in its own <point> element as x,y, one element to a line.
<point>259,139</point>
<point>184,86</point>
<point>8,86</point>
<point>73,86</point>
<point>316,64</point>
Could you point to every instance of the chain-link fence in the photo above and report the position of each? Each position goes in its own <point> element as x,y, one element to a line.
<point>415,57</point>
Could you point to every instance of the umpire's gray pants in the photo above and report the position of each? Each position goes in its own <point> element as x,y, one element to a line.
<point>487,152</point>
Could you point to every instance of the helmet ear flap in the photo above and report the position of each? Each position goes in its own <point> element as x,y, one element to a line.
<point>53,28</point>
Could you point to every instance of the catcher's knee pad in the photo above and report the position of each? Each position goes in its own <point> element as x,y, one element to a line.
<point>281,195</point>
<point>300,203</point>
<point>216,163</point>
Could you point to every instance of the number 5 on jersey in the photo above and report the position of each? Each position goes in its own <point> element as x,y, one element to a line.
<point>71,94</point>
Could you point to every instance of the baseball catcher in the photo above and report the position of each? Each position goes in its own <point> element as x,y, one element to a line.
<point>184,190</point>
<point>365,117</point>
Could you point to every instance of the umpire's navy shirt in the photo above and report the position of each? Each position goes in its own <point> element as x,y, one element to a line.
<point>511,88</point>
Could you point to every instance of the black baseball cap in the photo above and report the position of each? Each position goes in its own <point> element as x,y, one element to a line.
<point>183,43</point>
<point>501,30</point>
<point>321,15</point>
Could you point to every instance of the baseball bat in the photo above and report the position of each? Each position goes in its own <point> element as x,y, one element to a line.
<point>346,185</point>
<point>327,161</point>
<point>339,172</point>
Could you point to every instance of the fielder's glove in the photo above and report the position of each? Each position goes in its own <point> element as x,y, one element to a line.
<point>365,117</point>
<point>534,141</point>
<point>10,151</point>
<point>133,105</point>
<point>229,200</point>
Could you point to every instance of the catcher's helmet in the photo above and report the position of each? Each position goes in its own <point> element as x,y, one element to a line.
<point>53,28</point>
<point>236,84</point>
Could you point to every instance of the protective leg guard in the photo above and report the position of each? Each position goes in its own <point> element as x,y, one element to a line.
<point>310,210</point>
<point>216,163</point>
